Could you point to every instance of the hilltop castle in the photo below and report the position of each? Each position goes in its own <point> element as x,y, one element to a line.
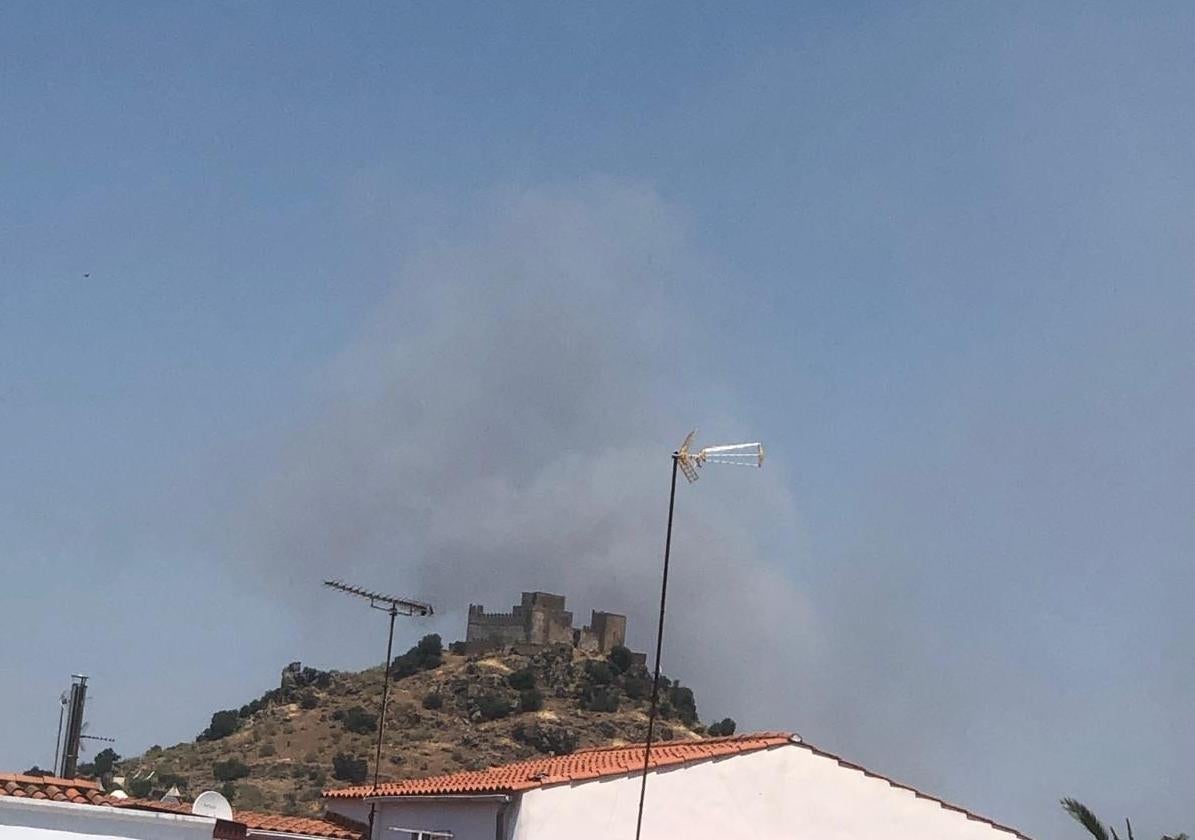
<point>541,619</point>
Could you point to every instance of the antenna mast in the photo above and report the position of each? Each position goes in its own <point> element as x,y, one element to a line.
<point>394,607</point>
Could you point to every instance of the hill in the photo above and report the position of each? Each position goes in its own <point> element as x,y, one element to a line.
<point>448,712</point>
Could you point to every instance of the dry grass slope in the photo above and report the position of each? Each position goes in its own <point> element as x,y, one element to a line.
<point>469,712</point>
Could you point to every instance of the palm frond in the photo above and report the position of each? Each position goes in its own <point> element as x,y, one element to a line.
<point>1086,818</point>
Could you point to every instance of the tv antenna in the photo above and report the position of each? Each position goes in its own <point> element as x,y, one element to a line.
<point>394,607</point>
<point>386,603</point>
<point>689,463</point>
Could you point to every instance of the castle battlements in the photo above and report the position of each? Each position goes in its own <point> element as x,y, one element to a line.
<point>541,619</point>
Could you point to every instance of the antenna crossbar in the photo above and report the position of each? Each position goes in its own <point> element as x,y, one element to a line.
<point>377,600</point>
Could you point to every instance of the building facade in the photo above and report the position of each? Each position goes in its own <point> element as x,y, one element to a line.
<point>764,786</point>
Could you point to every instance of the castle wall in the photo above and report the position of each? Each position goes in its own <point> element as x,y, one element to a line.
<point>560,627</point>
<point>545,600</point>
<point>488,630</point>
<point>586,641</point>
<point>610,628</point>
<point>541,619</point>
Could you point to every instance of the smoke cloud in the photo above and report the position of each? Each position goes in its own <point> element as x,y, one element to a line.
<point>505,423</point>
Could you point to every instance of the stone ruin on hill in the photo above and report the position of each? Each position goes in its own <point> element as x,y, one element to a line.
<point>542,620</point>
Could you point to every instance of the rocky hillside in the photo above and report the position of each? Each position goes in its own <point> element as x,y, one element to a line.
<point>448,712</point>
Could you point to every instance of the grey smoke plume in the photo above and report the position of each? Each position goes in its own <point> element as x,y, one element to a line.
<point>505,423</point>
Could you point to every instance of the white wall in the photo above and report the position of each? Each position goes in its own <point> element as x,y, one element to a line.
<point>786,792</point>
<point>467,820</point>
<point>354,809</point>
<point>38,819</point>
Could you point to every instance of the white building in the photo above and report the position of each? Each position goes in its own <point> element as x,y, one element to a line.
<point>23,818</point>
<point>758,786</point>
<point>48,808</point>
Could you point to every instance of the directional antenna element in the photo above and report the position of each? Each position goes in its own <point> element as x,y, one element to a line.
<point>742,454</point>
<point>388,603</point>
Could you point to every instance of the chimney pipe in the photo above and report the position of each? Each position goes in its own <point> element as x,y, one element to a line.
<point>74,727</point>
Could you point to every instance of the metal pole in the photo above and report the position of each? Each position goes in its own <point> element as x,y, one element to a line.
<point>377,764</point>
<point>377,761</point>
<point>58,739</point>
<point>655,685</point>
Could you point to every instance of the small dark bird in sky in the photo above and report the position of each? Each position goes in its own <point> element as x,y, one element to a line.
<point>86,275</point>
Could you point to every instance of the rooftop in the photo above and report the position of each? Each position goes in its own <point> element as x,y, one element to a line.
<point>89,792</point>
<point>604,762</point>
<point>78,791</point>
<point>334,826</point>
<point>581,765</point>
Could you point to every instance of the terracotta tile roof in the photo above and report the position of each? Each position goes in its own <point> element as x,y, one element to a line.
<point>579,766</point>
<point>330,826</point>
<point>79,791</point>
<point>333,826</point>
<point>615,761</point>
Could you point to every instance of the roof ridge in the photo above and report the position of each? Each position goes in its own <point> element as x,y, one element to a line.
<point>920,794</point>
<point>612,760</point>
<point>718,739</point>
<point>89,784</point>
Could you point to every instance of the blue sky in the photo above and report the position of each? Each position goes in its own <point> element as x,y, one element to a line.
<point>416,295</point>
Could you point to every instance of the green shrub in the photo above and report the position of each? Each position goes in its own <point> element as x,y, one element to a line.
<point>600,673</point>
<point>425,656</point>
<point>683,703</point>
<point>530,700</point>
<point>636,688</point>
<point>356,719</point>
<point>105,760</point>
<point>493,706</point>
<point>308,700</point>
<point>603,700</point>
<point>230,791</point>
<point>230,770</point>
<point>458,648</point>
<point>621,658</point>
<point>223,724</point>
<point>430,646</point>
<point>250,709</point>
<point>723,727</point>
<point>266,750</point>
<point>169,780</point>
<point>314,676</point>
<point>349,768</point>
<point>432,700</point>
<point>522,679</point>
<point>140,788</point>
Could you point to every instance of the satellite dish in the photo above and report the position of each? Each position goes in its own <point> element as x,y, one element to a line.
<point>212,804</point>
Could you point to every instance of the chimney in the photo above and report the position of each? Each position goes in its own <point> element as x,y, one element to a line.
<point>74,727</point>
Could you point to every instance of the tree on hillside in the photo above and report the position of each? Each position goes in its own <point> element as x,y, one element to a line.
<point>685,707</point>
<point>357,719</point>
<point>223,724</point>
<point>229,770</point>
<point>349,768</point>
<point>425,656</point>
<point>723,727</point>
<point>621,658</point>
<point>1087,818</point>
<point>105,760</point>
